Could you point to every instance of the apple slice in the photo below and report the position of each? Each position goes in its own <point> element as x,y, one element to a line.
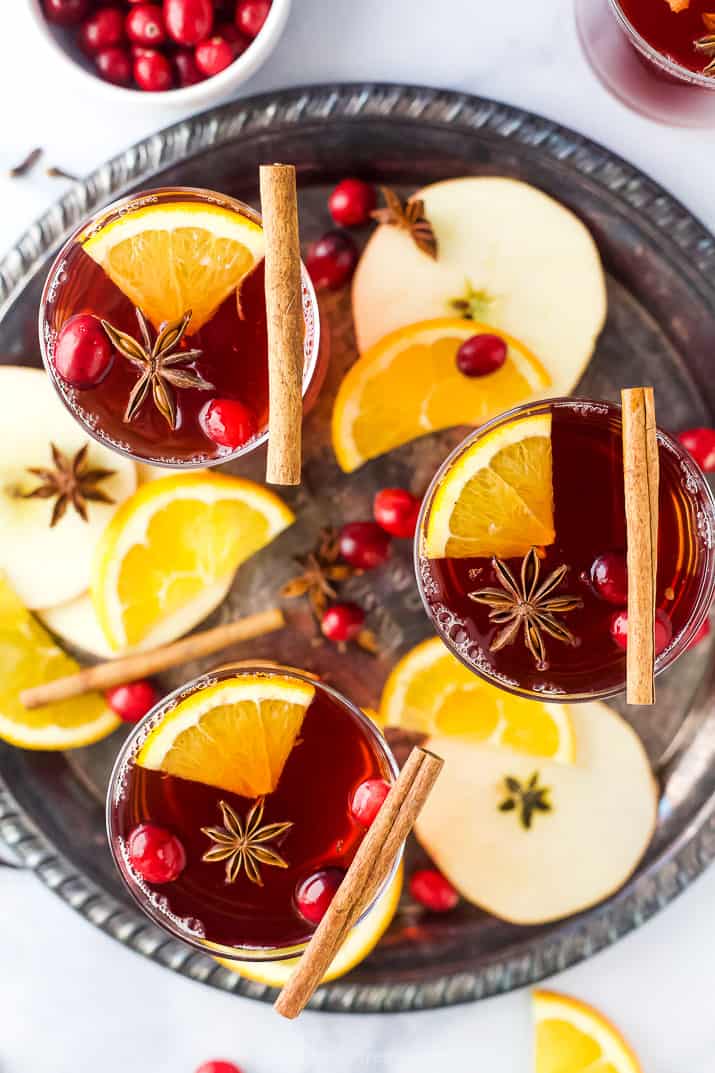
<point>531,259</point>
<point>48,566</point>
<point>76,623</point>
<point>601,819</point>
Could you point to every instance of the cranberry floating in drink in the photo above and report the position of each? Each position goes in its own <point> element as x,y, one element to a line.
<point>153,328</point>
<point>520,551</point>
<point>229,819</point>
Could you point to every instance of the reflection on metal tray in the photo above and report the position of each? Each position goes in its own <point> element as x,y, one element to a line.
<point>660,330</point>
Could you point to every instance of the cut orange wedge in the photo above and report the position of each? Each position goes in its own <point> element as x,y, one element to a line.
<point>169,258</point>
<point>497,498</point>
<point>571,1037</point>
<point>235,735</point>
<point>408,384</point>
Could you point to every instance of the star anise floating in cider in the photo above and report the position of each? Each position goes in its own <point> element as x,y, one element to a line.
<point>70,483</point>
<point>161,364</point>
<point>408,216</point>
<point>244,845</point>
<point>706,43</point>
<point>529,606</point>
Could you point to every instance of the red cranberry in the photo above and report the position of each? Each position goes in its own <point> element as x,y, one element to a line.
<point>331,260</point>
<point>663,630</point>
<point>314,894</point>
<point>228,423</point>
<point>132,700</point>
<point>367,800</point>
<point>700,442</point>
<point>481,354</point>
<point>188,21</point>
<point>250,16</point>
<point>430,888</point>
<point>214,55</point>
<point>702,633</point>
<point>364,545</point>
<point>187,72</point>
<point>218,1065</point>
<point>82,354</point>
<point>145,25</point>
<point>102,29</point>
<point>152,71</point>
<point>229,32</point>
<point>342,622</point>
<point>156,854</point>
<point>609,577</point>
<point>66,12</point>
<point>397,510</point>
<point>351,202</point>
<point>114,65</point>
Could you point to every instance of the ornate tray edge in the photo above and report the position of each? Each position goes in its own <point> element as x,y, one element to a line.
<point>664,880</point>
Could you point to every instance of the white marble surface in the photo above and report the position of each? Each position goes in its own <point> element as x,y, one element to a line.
<point>72,1000</point>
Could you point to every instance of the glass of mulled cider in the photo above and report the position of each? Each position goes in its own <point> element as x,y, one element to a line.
<point>237,805</point>
<point>153,328</point>
<point>520,551</point>
<point>658,56</point>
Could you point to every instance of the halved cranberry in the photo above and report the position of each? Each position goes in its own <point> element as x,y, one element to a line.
<point>700,442</point>
<point>66,12</point>
<point>481,355</point>
<point>152,71</point>
<point>351,202</point>
<point>114,65</point>
<point>228,422</point>
<point>342,622</point>
<point>145,25</point>
<point>431,889</point>
<point>82,353</point>
<point>396,510</point>
<point>102,29</point>
<point>188,21</point>
<point>214,55</point>
<point>331,260</point>
<point>663,630</point>
<point>133,700</point>
<point>364,545</point>
<point>609,577</point>
<point>156,854</point>
<point>251,15</point>
<point>314,894</point>
<point>368,799</point>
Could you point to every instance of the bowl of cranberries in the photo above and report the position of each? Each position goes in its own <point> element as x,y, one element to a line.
<point>184,52</point>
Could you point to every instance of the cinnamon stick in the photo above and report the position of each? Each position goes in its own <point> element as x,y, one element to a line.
<point>284,309</point>
<point>368,871</point>
<point>641,476</point>
<point>129,668</point>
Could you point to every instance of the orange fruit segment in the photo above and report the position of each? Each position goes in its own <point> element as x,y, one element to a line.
<point>235,735</point>
<point>497,497</point>
<point>169,258</point>
<point>408,384</point>
<point>571,1037</point>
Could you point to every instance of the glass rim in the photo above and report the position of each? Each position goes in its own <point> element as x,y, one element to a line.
<point>665,63</point>
<point>97,218</point>
<point>677,645</point>
<point>129,747</point>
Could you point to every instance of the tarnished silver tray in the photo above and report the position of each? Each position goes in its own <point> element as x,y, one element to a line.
<point>661,330</point>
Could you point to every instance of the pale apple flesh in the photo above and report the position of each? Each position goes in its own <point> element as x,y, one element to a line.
<point>535,262</point>
<point>47,566</point>
<point>603,816</point>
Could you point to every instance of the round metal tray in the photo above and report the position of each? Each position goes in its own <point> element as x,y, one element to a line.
<point>661,266</point>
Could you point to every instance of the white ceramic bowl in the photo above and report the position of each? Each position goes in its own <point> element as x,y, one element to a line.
<point>189,99</point>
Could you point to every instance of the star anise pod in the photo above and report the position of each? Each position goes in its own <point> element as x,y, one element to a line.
<point>408,216</point>
<point>321,570</point>
<point>71,482</point>
<point>529,606</point>
<point>706,45</point>
<point>527,799</point>
<point>161,364</point>
<point>244,845</point>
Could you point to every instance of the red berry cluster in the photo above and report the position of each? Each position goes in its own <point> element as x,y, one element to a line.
<point>332,259</point>
<point>366,545</point>
<point>609,578</point>
<point>160,46</point>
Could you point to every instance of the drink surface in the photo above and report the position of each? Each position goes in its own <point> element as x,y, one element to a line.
<point>672,34</point>
<point>334,753</point>
<point>589,522</point>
